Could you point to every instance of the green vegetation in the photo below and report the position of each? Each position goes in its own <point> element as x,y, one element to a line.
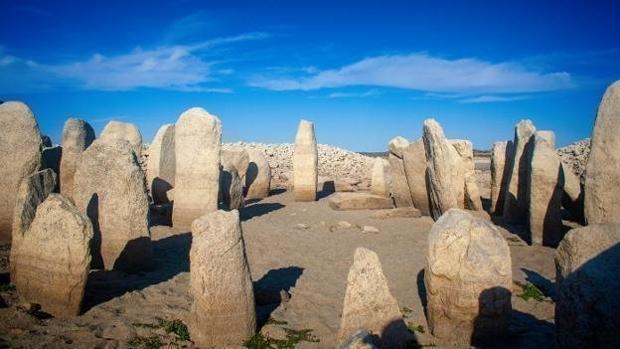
<point>7,287</point>
<point>530,291</point>
<point>293,337</point>
<point>152,342</point>
<point>177,327</point>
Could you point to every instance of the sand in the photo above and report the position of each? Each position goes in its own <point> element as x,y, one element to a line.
<point>299,247</point>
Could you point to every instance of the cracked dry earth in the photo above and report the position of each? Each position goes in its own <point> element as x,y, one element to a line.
<point>297,247</point>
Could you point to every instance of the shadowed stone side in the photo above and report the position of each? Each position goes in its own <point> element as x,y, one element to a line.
<point>501,160</point>
<point>258,175</point>
<point>399,187</point>
<point>516,201</point>
<point>161,164</point>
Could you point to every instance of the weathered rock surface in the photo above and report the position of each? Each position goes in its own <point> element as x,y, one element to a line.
<point>471,191</point>
<point>380,184</point>
<point>54,257</point>
<point>545,192</point>
<point>109,187</point>
<point>501,165</point>
<point>575,156</point>
<point>198,137</point>
<point>305,163</point>
<point>50,158</point>
<point>361,339</point>
<point>77,135</point>
<point>231,189</point>
<point>368,303</point>
<point>516,200</point>
<point>161,164</point>
<point>237,159</point>
<point>572,197</point>
<point>414,158</point>
<point>20,156</point>
<point>587,312</point>
<point>398,179</point>
<point>258,175</point>
<point>223,313</point>
<point>359,201</point>
<point>399,212</point>
<point>602,187</point>
<point>468,278</point>
<point>115,130</point>
<point>444,170</point>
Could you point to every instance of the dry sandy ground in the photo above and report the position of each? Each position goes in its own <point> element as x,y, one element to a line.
<point>297,247</point>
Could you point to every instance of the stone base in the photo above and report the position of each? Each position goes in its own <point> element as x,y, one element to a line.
<point>359,201</point>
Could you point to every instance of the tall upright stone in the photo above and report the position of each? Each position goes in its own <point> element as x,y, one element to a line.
<point>587,308</point>
<point>54,258</point>
<point>33,190</point>
<point>198,138</point>
<point>305,163</point>
<point>545,192</point>
<point>572,198</point>
<point>77,135</point>
<point>444,170</point>
<point>379,182</point>
<point>258,175</point>
<point>109,187</point>
<point>471,191</point>
<point>231,189</point>
<point>20,156</point>
<point>602,185</point>
<point>468,279</point>
<point>368,303</point>
<point>51,158</point>
<point>237,159</point>
<point>501,160</point>
<point>161,164</point>
<point>516,201</point>
<point>398,179</point>
<point>223,313</point>
<point>115,130</point>
<point>414,159</point>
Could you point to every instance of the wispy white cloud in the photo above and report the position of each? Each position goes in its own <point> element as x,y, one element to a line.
<point>369,93</point>
<point>422,72</point>
<point>493,99</point>
<point>174,67</point>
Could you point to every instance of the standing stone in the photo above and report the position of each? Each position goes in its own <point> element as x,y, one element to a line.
<point>398,185</point>
<point>51,158</point>
<point>198,138</point>
<point>33,190</point>
<point>471,191</point>
<point>379,180</point>
<point>231,189</point>
<point>109,187</point>
<point>545,192</point>
<point>587,311</point>
<point>77,135</point>
<point>20,156</point>
<point>516,201</point>
<point>161,164</point>
<point>500,168</point>
<point>414,159</point>
<point>54,258</point>
<point>572,198</point>
<point>305,163</point>
<point>468,278</point>
<point>602,187</point>
<point>115,130</point>
<point>223,313</point>
<point>237,159</point>
<point>444,170</point>
<point>368,303</point>
<point>258,175</point>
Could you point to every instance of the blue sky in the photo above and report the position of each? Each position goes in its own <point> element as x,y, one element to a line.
<point>363,71</point>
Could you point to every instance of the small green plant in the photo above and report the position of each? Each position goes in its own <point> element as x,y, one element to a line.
<point>530,291</point>
<point>152,342</point>
<point>413,328</point>
<point>258,342</point>
<point>7,287</point>
<point>293,337</point>
<point>177,327</point>
<point>406,311</point>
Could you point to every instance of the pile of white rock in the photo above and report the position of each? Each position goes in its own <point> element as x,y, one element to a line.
<point>576,156</point>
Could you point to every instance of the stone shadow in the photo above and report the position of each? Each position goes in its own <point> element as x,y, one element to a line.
<point>542,283</point>
<point>329,187</point>
<point>250,176</point>
<point>257,210</point>
<point>171,257</point>
<point>422,292</point>
<point>268,291</point>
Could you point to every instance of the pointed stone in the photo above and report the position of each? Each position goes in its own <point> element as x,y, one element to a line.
<point>468,279</point>
<point>602,186</point>
<point>379,179</point>
<point>545,192</point>
<point>399,186</point>
<point>116,130</point>
<point>444,170</point>
<point>198,138</point>
<point>54,258</point>
<point>258,175</point>
<point>33,190</point>
<point>305,163</point>
<point>471,191</point>
<point>77,135</point>
<point>516,201</point>
<point>20,156</point>
<point>369,304</point>
<point>223,312</point>
<point>161,164</point>
<point>109,187</point>
<point>500,168</point>
<point>414,158</point>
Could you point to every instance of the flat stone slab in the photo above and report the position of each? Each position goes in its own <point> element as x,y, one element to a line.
<point>359,201</point>
<point>399,212</point>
